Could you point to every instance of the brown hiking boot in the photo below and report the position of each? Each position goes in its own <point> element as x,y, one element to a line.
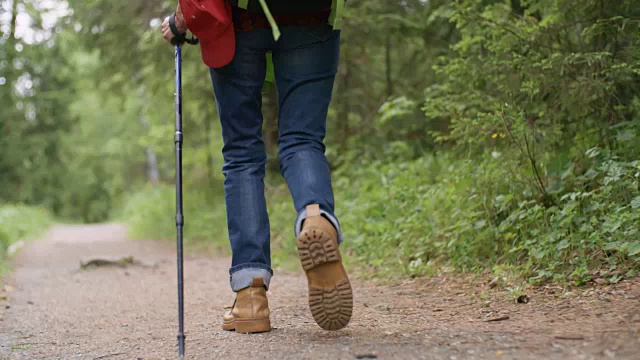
<point>330,295</point>
<point>250,311</point>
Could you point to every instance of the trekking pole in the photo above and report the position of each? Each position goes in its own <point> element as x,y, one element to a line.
<point>178,40</point>
<point>179,213</point>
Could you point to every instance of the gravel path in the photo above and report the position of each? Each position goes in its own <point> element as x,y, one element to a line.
<point>52,309</point>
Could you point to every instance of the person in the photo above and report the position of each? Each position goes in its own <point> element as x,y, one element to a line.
<point>305,50</point>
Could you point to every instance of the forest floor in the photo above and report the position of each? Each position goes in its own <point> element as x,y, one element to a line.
<point>53,309</point>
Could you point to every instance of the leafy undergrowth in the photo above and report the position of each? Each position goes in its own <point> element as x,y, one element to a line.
<point>20,223</point>
<point>438,213</point>
<point>416,218</point>
<point>150,213</point>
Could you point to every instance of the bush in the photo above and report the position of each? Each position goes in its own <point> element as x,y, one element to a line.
<point>150,214</point>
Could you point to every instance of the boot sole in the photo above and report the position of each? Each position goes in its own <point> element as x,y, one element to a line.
<point>248,326</point>
<point>332,303</point>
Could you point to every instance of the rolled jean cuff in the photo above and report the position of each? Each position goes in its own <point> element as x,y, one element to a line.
<point>241,276</point>
<point>332,219</point>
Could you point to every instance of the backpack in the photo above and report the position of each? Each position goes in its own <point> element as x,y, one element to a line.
<point>289,7</point>
<point>285,7</point>
<point>292,7</point>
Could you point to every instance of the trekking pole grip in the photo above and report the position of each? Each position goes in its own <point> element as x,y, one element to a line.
<point>179,37</point>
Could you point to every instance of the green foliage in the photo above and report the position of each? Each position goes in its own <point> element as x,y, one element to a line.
<point>34,116</point>
<point>416,217</point>
<point>150,214</point>
<point>413,218</point>
<point>20,222</point>
<point>569,71</point>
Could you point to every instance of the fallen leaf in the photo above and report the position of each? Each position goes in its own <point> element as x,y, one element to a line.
<point>366,356</point>
<point>569,337</point>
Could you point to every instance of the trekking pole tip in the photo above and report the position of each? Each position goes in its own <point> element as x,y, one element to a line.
<point>181,338</point>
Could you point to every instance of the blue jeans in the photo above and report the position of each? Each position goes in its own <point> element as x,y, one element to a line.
<point>305,60</point>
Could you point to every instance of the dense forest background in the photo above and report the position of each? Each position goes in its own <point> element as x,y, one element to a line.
<point>463,135</point>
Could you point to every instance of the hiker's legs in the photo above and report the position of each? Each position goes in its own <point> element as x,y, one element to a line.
<point>237,89</point>
<point>306,61</point>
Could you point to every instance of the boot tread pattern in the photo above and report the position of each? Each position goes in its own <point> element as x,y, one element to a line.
<point>332,308</point>
<point>315,248</point>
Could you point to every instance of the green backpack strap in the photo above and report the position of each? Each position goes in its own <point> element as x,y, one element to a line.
<point>272,21</point>
<point>270,76</point>
<point>244,4</point>
<point>337,8</point>
<point>335,19</point>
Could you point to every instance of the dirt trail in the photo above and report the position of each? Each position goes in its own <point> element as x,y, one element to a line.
<point>55,310</point>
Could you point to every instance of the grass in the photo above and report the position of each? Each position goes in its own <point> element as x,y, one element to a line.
<point>21,347</point>
<point>150,214</point>
<point>20,222</point>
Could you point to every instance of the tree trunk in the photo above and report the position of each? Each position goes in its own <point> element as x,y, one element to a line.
<point>270,133</point>
<point>343,113</point>
<point>11,47</point>
<point>388,66</point>
<point>209,145</point>
<point>153,173</point>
